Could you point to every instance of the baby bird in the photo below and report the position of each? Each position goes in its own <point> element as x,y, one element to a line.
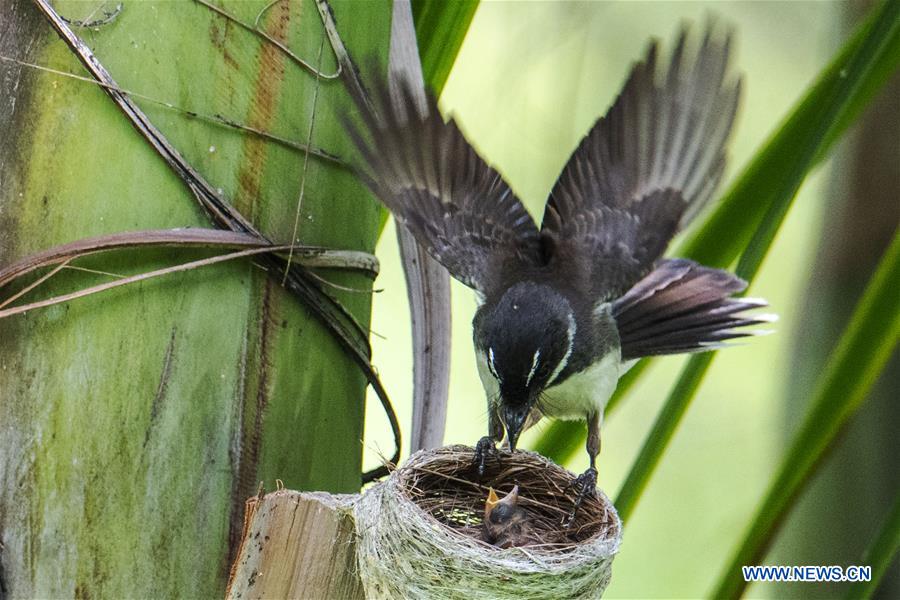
<point>506,524</point>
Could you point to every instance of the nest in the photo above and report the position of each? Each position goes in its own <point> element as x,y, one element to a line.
<point>421,534</point>
<point>446,486</point>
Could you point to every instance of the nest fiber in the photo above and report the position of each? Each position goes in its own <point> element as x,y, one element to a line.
<point>420,532</point>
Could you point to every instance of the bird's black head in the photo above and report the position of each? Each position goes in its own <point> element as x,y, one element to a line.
<point>523,341</point>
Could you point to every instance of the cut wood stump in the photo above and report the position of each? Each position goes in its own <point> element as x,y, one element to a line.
<point>297,545</point>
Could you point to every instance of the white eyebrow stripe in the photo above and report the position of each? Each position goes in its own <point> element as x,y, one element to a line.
<point>534,366</point>
<point>565,359</point>
<point>491,364</point>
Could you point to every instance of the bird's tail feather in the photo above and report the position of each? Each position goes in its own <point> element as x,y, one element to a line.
<point>684,307</point>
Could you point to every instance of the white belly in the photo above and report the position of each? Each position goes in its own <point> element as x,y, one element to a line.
<point>585,392</point>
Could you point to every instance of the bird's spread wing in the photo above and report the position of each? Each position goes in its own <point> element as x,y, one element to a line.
<point>426,173</point>
<point>683,307</point>
<point>648,166</point>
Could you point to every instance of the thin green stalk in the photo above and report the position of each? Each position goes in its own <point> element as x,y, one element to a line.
<point>663,430</point>
<point>854,366</point>
<point>879,555</point>
<point>881,27</point>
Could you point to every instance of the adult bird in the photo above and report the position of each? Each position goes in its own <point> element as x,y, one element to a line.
<point>566,309</point>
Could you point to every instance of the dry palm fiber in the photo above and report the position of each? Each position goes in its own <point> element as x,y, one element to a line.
<point>420,532</point>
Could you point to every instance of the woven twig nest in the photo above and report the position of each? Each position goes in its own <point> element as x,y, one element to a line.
<point>420,532</point>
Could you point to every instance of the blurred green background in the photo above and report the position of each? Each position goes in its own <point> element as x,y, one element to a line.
<point>530,80</point>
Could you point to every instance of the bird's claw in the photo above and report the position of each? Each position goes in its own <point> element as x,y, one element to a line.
<point>586,485</point>
<point>484,448</point>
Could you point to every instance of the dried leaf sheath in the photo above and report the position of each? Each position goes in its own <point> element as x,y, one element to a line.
<point>427,282</point>
<point>194,237</point>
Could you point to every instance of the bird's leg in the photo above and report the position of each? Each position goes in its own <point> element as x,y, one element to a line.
<point>487,446</point>
<point>586,483</point>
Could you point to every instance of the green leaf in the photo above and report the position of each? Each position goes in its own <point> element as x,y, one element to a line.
<point>879,29</point>
<point>728,230</point>
<point>440,28</point>
<point>661,434</point>
<point>879,555</point>
<point>853,368</point>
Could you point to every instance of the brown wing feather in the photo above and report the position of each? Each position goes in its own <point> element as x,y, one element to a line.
<point>663,137</point>
<point>428,175</point>
<point>683,307</point>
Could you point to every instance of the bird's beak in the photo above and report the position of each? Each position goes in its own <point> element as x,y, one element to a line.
<point>491,502</point>
<point>512,499</point>
<point>514,419</point>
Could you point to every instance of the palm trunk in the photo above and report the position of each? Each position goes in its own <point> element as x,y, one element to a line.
<point>134,425</point>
